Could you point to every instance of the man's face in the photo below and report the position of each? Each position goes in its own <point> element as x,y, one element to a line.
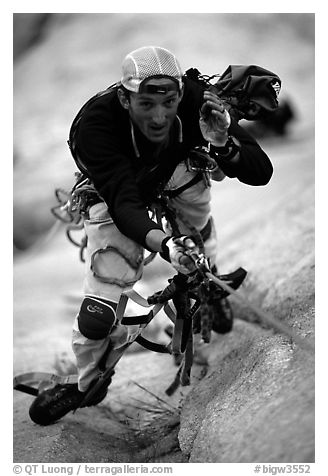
<point>154,113</point>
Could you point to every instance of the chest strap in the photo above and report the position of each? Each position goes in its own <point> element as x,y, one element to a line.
<point>177,191</point>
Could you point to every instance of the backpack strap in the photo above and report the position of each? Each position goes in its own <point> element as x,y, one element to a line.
<point>75,125</point>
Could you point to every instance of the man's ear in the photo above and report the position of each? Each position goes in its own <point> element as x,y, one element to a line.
<point>122,97</point>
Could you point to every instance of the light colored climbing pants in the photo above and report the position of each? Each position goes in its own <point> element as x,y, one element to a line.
<point>114,263</point>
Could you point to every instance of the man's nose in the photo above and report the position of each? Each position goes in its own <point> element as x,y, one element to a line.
<point>159,115</point>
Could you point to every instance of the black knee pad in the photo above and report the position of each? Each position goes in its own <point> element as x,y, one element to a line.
<point>96,317</point>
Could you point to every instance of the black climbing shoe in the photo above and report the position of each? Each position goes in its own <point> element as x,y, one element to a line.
<point>56,402</point>
<point>222,314</point>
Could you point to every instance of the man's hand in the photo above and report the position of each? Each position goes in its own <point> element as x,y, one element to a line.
<point>178,250</point>
<point>214,120</point>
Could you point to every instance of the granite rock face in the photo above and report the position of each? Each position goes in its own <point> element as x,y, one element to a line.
<point>257,401</point>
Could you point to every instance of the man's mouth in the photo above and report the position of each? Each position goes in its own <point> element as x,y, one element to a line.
<point>157,127</point>
<point>158,130</point>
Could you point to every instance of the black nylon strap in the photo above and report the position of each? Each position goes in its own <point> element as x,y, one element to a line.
<point>176,192</point>
<point>161,348</point>
<point>175,384</point>
<point>136,320</point>
<point>187,362</point>
<point>27,389</point>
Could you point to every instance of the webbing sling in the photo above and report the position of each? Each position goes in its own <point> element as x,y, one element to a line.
<point>25,382</point>
<point>154,346</point>
<point>144,319</point>
<point>183,324</point>
<point>183,374</point>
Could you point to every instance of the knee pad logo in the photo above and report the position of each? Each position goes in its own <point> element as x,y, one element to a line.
<point>96,318</point>
<point>93,308</point>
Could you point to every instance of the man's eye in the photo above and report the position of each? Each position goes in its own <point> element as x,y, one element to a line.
<point>170,102</point>
<point>146,104</point>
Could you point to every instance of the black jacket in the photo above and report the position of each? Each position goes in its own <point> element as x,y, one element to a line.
<point>128,183</point>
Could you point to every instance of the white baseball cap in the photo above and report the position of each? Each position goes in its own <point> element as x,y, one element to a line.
<point>149,62</point>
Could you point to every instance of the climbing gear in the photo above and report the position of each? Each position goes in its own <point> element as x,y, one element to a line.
<point>191,317</point>
<point>240,86</point>
<point>200,160</point>
<point>73,207</point>
<point>250,83</point>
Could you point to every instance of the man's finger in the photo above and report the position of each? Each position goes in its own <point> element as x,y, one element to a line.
<point>215,105</point>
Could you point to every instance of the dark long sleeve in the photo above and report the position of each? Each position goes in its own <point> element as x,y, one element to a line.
<point>104,150</point>
<point>254,166</point>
